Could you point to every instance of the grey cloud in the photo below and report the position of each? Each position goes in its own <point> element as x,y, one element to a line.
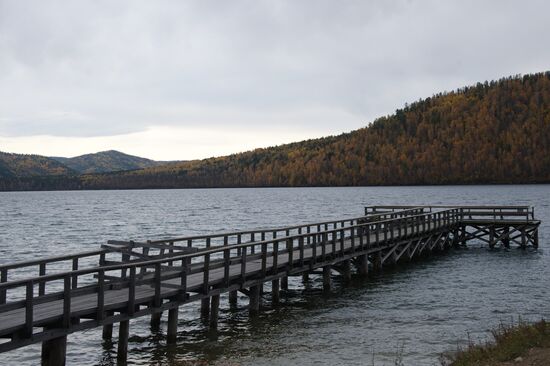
<point>95,68</point>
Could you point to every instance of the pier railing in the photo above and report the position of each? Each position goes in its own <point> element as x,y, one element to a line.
<point>241,262</point>
<point>249,236</point>
<point>468,212</point>
<point>117,252</point>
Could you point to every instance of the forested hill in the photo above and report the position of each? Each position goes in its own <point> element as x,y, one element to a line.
<point>17,166</point>
<point>23,165</point>
<point>106,161</point>
<point>493,132</point>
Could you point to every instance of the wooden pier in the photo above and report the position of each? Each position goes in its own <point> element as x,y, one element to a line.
<point>44,300</point>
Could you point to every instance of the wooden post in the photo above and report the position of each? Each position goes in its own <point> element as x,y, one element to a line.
<point>108,328</point>
<point>346,270</point>
<point>305,277</point>
<point>363,265</point>
<point>284,283</point>
<point>205,307</point>
<point>233,299</point>
<point>172,333</point>
<point>523,238</point>
<point>123,335</point>
<point>275,292</point>
<point>506,240</point>
<point>456,240</point>
<point>254,300</point>
<point>536,238</point>
<point>155,320</point>
<point>492,241</point>
<point>326,278</point>
<point>214,311</point>
<point>377,264</point>
<point>54,351</point>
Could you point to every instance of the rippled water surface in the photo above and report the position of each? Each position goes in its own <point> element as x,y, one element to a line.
<point>418,310</point>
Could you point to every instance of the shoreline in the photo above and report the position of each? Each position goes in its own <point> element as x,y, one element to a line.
<point>519,344</point>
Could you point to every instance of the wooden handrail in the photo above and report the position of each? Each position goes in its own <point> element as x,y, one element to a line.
<point>284,228</point>
<point>472,210</point>
<point>46,260</point>
<point>207,252</point>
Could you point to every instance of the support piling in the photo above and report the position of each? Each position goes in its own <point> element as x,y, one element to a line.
<point>275,296</point>
<point>123,335</point>
<point>326,278</point>
<point>254,300</point>
<point>363,265</point>
<point>107,333</point>
<point>205,308</point>
<point>214,311</point>
<point>155,320</point>
<point>346,270</point>
<point>233,298</point>
<point>54,351</point>
<point>172,332</point>
<point>284,283</point>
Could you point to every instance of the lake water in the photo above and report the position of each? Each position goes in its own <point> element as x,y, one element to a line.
<point>418,310</point>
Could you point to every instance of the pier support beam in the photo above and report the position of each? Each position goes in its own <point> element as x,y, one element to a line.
<point>233,299</point>
<point>377,261</point>
<point>492,240</point>
<point>214,311</point>
<point>275,292</point>
<point>284,283</point>
<point>155,320</point>
<point>123,335</point>
<point>108,328</point>
<point>506,237</point>
<point>346,270</point>
<point>463,236</point>
<point>172,333</point>
<point>305,277</point>
<point>456,239</point>
<point>205,308</point>
<point>363,265</point>
<point>326,278</point>
<point>54,351</point>
<point>254,300</point>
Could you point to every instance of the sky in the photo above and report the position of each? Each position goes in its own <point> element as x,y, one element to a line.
<point>179,80</point>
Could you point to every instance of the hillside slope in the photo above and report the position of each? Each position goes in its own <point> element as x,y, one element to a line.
<point>497,132</point>
<point>22,165</point>
<point>493,132</point>
<point>106,161</point>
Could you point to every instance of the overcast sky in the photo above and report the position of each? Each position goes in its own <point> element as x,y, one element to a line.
<point>192,79</point>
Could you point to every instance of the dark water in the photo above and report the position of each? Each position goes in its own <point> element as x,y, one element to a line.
<point>418,310</point>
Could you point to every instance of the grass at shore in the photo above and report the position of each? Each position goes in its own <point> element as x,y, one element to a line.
<point>510,342</point>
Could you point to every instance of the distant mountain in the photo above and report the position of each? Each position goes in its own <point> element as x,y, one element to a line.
<point>23,165</point>
<point>106,161</point>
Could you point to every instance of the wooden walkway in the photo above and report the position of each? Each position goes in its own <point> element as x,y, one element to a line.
<point>126,279</point>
